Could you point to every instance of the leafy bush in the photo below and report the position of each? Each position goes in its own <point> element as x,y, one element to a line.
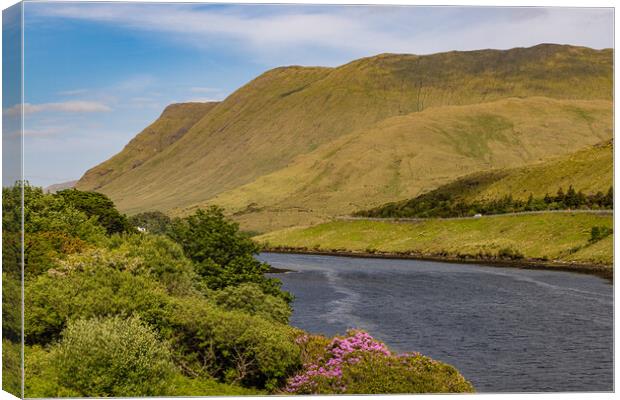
<point>230,345</point>
<point>249,298</point>
<point>112,357</point>
<point>93,284</point>
<point>357,364</point>
<point>159,257</point>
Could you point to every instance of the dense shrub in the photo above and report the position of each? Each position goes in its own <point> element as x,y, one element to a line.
<point>52,229</point>
<point>112,357</point>
<point>357,364</point>
<point>159,257</point>
<point>49,213</point>
<point>249,298</point>
<point>93,284</point>
<point>231,345</point>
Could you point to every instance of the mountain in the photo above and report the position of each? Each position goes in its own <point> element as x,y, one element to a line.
<point>56,187</point>
<point>298,144</point>
<point>402,157</point>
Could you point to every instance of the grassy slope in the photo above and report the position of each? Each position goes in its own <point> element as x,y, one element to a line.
<point>589,170</point>
<point>288,112</point>
<point>550,236</point>
<point>173,123</point>
<point>404,156</point>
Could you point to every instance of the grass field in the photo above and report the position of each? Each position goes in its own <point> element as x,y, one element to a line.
<point>553,237</point>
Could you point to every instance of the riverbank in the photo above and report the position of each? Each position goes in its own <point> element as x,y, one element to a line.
<point>603,271</point>
<point>558,241</point>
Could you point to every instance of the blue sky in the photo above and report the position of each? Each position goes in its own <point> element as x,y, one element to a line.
<point>97,73</point>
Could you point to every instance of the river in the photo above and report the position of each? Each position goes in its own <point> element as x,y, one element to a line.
<point>504,329</point>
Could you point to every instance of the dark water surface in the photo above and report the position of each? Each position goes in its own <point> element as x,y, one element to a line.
<point>505,329</point>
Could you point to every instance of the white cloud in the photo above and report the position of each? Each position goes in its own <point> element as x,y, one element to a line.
<point>275,33</point>
<point>67,106</point>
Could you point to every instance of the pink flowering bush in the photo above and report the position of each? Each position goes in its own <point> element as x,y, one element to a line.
<point>357,363</point>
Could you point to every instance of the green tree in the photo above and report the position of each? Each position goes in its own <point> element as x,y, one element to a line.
<point>570,199</point>
<point>608,201</point>
<point>98,205</point>
<point>559,197</point>
<point>223,256</point>
<point>153,221</point>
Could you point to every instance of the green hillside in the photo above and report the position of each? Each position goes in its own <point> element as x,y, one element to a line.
<point>293,144</point>
<point>402,157</point>
<point>172,124</point>
<point>553,237</point>
<point>589,170</point>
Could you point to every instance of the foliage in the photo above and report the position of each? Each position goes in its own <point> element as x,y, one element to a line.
<point>11,367</point>
<point>230,345</point>
<point>95,204</point>
<point>222,255</point>
<point>112,357</point>
<point>52,229</point>
<point>249,298</point>
<point>128,314</point>
<point>159,257</point>
<point>182,385</point>
<point>598,233</point>
<point>155,222</point>
<point>97,283</point>
<point>359,364</point>
<point>11,307</point>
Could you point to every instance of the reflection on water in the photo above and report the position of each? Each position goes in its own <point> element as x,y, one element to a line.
<point>505,329</point>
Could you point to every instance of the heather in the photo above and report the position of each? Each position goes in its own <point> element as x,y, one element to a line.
<point>357,363</point>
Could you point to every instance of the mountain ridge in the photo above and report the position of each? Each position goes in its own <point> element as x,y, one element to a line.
<point>289,112</point>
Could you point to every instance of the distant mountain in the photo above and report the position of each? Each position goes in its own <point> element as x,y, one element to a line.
<point>60,186</point>
<point>299,144</point>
